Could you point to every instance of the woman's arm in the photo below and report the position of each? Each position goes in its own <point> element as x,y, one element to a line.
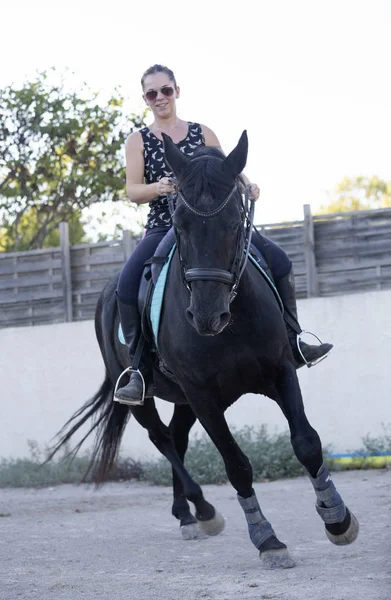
<point>136,190</point>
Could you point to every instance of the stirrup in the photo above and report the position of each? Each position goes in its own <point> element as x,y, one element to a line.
<point>306,362</point>
<point>129,370</point>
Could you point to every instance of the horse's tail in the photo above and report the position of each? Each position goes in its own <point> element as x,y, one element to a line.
<point>109,418</point>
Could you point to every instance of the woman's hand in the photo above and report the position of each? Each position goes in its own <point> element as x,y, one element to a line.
<point>164,186</point>
<point>254,191</point>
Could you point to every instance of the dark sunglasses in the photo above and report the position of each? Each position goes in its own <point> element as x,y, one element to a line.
<point>166,90</point>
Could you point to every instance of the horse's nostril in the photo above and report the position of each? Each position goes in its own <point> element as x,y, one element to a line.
<point>190,315</point>
<point>225,318</point>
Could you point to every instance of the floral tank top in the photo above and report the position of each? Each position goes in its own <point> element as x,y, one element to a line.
<point>156,168</point>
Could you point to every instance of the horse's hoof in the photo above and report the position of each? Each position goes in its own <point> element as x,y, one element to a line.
<point>350,534</point>
<point>192,532</point>
<point>276,559</point>
<point>213,526</point>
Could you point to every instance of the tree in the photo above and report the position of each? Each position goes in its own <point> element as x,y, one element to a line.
<point>359,193</point>
<point>28,228</point>
<point>60,152</point>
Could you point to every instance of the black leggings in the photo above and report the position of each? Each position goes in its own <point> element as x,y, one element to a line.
<point>129,279</point>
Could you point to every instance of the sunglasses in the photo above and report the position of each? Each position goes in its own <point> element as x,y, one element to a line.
<point>166,90</point>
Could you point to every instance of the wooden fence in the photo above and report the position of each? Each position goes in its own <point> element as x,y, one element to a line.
<point>332,254</point>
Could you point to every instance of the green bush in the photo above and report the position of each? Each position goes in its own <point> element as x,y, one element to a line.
<point>271,457</point>
<point>377,445</point>
<point>34,472</point>
<point>30,472</point>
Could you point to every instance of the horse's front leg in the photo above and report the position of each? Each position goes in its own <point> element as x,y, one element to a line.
<point>341,525</point>
<point>273,553</point>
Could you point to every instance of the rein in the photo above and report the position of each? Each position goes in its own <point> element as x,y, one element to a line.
<point>231,278</point>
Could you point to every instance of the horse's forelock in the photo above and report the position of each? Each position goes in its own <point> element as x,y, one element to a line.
<point>206,177</point>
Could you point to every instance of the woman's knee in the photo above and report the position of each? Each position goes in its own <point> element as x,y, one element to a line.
<point>277,259</point>
<point>282,266</point>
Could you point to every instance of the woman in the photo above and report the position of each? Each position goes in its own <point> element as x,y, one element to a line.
<point>145,162</point>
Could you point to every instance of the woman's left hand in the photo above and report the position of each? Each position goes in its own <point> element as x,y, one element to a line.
<point>254,191</point>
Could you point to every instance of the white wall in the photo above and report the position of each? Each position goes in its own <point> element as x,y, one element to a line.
<point>47,372</point>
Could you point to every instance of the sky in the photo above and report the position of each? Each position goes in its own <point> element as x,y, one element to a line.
<point>310,81</point>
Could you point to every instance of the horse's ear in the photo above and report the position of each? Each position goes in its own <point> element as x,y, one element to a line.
<point>236,160</point>
<point>175,159</point>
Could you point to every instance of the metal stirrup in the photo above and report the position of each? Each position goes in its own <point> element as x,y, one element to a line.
<point>129,402</point>
<point>306,362</point>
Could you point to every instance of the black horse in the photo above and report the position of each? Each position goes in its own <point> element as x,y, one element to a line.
<point>222,334</point>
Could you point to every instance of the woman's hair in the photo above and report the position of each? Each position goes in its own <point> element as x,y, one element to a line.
<point>158,69</point>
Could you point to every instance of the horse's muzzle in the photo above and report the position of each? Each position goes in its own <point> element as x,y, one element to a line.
<point>208,325</point>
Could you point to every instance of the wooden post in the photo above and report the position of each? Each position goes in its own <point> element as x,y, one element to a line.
<point>309,251</point>
<point>66,271</point>
<point>128,243</point>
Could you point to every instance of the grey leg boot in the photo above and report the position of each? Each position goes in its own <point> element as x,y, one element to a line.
<point>312,353</point>
<point>133,392</point>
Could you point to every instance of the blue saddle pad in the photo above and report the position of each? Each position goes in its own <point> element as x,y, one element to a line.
<point>157,297</point>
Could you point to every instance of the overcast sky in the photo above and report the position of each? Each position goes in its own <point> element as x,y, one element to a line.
<point>309,80</point>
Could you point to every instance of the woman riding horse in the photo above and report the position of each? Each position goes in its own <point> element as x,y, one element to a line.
<point>221,335</point>
<point>148,181</point>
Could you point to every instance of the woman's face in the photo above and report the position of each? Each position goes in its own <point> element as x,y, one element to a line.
<point>162,105</point>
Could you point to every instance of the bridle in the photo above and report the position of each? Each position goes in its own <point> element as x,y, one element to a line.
<point>232,277</point>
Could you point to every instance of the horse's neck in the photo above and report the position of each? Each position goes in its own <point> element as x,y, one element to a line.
<point>248,293</point>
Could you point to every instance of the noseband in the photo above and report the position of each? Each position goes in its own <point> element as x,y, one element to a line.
<point>230,278</point>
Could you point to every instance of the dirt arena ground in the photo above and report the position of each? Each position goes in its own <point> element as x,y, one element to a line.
<point>71,542</point>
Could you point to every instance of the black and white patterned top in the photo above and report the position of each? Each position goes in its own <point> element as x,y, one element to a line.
<point>156,168</point>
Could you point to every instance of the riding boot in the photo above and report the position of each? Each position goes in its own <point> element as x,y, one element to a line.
<point>312,353</point>
<point>133,392</point>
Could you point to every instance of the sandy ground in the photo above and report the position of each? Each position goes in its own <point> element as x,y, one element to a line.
<point>121,542</point>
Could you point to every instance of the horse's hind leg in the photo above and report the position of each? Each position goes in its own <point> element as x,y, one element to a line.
<point>160,435</point>
<point>340,523</point>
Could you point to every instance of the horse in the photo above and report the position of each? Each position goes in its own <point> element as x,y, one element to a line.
<point>222,334</point>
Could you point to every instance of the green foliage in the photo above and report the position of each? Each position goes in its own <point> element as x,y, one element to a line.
<point>34,472</point>
<point>271,457</point>
<point>358,193</point>
<point>60,152</point>
<point>30,472</point>
<point>377,445</point>
<point>28,229</point>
